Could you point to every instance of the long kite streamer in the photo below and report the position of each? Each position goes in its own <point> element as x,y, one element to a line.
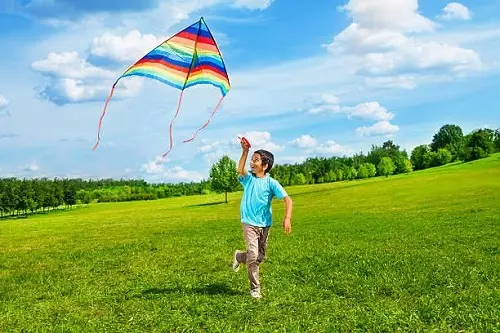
<point>186,59</point>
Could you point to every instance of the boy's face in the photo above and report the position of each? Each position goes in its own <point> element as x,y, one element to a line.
<point>256,164</point>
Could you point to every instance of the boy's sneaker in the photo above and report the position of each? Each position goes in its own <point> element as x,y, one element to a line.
<point>255,294</point>
<point>236,264</point>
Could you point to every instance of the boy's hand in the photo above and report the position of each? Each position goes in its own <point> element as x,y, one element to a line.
<point>244,144</point>
<point>287,225</point>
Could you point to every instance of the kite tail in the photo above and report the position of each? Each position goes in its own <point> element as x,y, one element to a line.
<point>208,121</point>
<point>172,122</point>
<point>102,116</point>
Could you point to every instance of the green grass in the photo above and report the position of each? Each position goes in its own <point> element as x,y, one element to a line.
<point>417,252</point>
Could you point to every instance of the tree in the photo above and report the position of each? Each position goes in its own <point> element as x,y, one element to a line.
<point>417,157</point>
<point>386,167</point>
<point>443,156</point>
<point>496,140</point>
<point>479,144</point>
<point>450,137</point>
<point>224,176</point>
<point>299,179</point>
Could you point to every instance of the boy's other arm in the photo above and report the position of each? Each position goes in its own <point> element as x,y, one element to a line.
<point>287,221</point>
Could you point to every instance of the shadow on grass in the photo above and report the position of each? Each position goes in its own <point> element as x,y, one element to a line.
<point>207,204</point>
<point>207,289</point>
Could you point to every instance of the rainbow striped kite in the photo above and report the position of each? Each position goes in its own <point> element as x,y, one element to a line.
<point>186,59</point>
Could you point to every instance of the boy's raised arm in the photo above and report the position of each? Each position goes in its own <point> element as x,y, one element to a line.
<point>243,159</point>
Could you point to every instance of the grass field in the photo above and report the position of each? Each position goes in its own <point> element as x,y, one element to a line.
<point>417,252</point>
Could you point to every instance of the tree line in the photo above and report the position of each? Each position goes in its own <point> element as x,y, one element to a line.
<point>449,144</point>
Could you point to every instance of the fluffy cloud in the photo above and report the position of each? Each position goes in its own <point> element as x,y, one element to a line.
<point>455,10</point>
<point>209,147</point>
<point>395,15</point>
<point>69,65</point>
<point>4,102</point>
<point>261,140</point>
<point>330,147</point>
<point>127,48</point>
<point>378,38</point>
<point>367,111</point>
<point>252,4</point>
<point>31,167</point>
<point>304,141</point>
<point>156,172</point>
<point>162,13</point>
<point>72,79</point>
<point>312,146</point>
<point>380,128</point>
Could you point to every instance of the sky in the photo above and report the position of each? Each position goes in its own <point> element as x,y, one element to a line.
<point>308,79</point>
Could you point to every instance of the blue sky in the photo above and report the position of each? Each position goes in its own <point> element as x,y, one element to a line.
<point>327,79</point>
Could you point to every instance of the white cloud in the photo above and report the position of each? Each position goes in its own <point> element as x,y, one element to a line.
<point>157,172</point>
<point>330,147</point>
<point>253,4</point>
<point>69,65</point>
<point>378,39</point>
<point>261,140</point>
<point>128,48</point>
<point>31,167</point>
<point>74,80</point>
<point>304,141</point>
<point>209,148</point>
<point>312,146</point>
<point>396,81</point>
<point>4,102</point>
<point>367,110</point>
<point>370,111</point>
<point>396,15</point>
<point>455,10</point>
<point>378,129</point>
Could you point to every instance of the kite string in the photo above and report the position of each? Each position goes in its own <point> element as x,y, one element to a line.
<point>208,120</point>
<point>172,122</point>
<point>102,115</point>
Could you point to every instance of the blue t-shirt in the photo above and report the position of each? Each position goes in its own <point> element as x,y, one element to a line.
<point>258,194</point>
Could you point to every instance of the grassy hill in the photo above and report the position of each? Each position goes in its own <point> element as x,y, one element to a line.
<point>416,252</point>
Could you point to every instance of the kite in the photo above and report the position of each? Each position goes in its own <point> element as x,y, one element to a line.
<point>188,58</point>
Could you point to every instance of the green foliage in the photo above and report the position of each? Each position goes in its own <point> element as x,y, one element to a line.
<point>496,140</point>
<point>443,156</point>
<point>479,144</point>
<point>224,176</point>
<point>418,158</point>
<point>449,137</point>
<point>299,179</point>
<point>386,167</point>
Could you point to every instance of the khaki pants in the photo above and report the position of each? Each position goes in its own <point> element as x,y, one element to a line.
<point>256,242</point>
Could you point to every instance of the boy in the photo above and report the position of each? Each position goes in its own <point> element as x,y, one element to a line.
<point>256,216</point>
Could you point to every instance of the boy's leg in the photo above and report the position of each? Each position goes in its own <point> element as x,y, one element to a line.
<point>252,235</point>
<point>264,236</point>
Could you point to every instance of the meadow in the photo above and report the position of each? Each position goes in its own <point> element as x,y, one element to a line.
<point>416,252</point>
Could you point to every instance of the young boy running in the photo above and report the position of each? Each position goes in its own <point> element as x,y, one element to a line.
<point>259,188</point>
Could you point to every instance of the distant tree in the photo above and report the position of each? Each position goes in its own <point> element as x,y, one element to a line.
<point>386,167</point>
<point>479,144</point>
<point>224,176</point>
<point>362,171</point>
<point>443,156</point>
<point>299,179</point>
<point>417,157</point>
<point>450,137</point>
<point>496,140</point>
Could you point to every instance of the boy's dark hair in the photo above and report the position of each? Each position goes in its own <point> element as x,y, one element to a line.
<point>267,158</point>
